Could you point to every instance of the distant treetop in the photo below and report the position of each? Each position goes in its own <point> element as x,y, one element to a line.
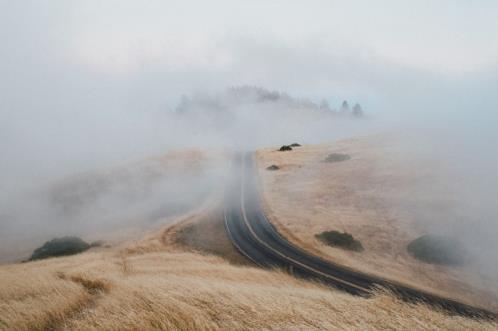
<point>237,96</point>
<point>357,111</point>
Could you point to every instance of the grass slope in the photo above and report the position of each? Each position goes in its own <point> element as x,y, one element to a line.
<point>156,284</point>
<point>376,196</point>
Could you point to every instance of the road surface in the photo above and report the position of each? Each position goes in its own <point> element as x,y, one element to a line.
<point>256,238</point>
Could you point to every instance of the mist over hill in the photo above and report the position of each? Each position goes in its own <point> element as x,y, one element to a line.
<point>100,186</point>
<point>250,117</point>
<point>237,97</point>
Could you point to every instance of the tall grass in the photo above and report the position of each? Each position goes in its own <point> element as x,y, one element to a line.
<point>169,289</point>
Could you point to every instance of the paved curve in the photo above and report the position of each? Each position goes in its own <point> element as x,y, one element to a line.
<point>256,238</point>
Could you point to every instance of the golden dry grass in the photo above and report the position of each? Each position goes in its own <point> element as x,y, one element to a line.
<point>158,282</point>
<point>152,285</point>
<point>375,196</point>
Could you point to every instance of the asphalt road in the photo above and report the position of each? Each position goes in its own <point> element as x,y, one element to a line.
<point>256,238</point>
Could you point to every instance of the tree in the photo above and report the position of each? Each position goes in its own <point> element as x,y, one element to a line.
<point>345,107</point>
<point>357,111</point>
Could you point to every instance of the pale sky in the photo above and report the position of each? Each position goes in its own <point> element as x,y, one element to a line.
<point>453,36</point>
<point>203,38</point>
<point>84,73</point>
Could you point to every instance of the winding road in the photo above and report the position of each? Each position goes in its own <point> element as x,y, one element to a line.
<point>255,237</point>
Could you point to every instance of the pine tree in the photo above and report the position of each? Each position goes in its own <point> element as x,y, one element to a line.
<point>345,107</point>
<point>357,111</point>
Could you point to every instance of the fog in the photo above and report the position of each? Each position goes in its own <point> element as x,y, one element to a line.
<point>456,189</point>
<point>89,89</point>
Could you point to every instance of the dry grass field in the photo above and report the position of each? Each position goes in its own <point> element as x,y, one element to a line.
<point>154,283</point>
<point>184,274</point>
<point>378,196</point>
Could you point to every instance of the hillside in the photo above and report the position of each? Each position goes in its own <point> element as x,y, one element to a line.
<point>383,197</point>
<point>154,283</point>
<point>183,273</point>
<point>110,203</point>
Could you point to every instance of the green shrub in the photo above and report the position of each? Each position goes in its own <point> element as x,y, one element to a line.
<point>60,247</point>
<point>437,250</point>
<point>340,239</point>
<point>337,157</point>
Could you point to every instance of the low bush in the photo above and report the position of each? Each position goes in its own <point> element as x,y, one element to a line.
<point>337,157</point>
<point>272,167</point>
<point>340,239</point>
<point>285,148</point>
<point>60,247</point>
<point>437,249</point>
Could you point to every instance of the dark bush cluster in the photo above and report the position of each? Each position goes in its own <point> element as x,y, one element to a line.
<point>285,148</point>
<point>60,247</point>
<point>288,147</point>
<point>340,239</point>
<point>437,249</point>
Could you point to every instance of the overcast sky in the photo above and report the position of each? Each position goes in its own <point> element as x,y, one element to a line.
<point>78,79</point>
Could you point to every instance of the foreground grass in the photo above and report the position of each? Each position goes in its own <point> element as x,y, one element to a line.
<point>151,285</point>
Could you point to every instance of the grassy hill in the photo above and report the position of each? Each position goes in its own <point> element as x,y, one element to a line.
<point>382,194</point>
<point>158,283</point>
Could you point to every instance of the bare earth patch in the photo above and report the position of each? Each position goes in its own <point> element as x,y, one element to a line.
<point>207,234</point>
<point>373,196</point>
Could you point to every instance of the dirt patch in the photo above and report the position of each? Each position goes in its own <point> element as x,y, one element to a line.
<point>207,234</point>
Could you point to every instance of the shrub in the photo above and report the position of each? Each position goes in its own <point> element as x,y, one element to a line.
<point>337,157</point>
<point>340,239</point>
<point>285,148</point>
<point>60,247</point>
<point>295,145</point>
<point>437,249</point>
<point>272,167</point>
<point>97,243</point>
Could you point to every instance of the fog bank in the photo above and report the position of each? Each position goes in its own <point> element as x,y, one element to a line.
<point>89,86</point>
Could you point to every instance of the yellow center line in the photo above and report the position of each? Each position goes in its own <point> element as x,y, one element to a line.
<point>233,241</point>
<point>244,216</point>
